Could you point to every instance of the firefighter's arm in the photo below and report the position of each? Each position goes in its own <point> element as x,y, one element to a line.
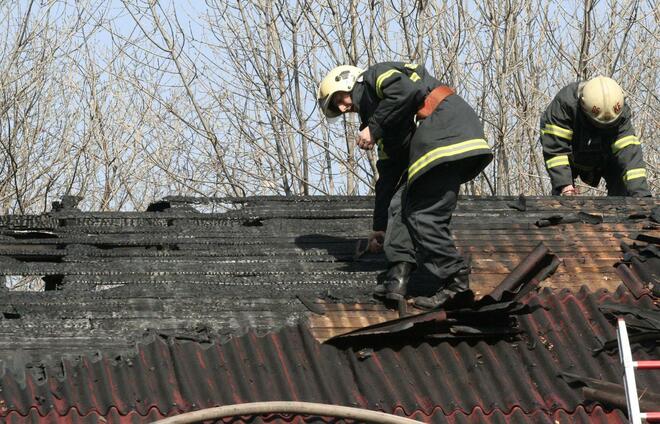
<point>389,175</point>
<point>628,153</point>
<point>556,137</point>
<point>399,98</point>
<point>385,188</point>
<point>390,172</point>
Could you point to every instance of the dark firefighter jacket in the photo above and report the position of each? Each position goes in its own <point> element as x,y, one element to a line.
<point>387,96</point>
<point>573,145</point>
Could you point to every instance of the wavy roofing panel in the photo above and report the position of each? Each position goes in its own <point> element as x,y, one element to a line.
<point>170,375</point>
<point>515,416</point>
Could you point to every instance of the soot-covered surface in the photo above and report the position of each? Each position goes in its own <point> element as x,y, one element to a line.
<point>268,272</point>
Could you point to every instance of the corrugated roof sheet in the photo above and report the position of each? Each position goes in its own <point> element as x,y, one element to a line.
<point>171,375</point>
<point>515,416</point>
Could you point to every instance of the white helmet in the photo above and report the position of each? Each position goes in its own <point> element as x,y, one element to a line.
<point>341,78</point>
<point>601,100</point>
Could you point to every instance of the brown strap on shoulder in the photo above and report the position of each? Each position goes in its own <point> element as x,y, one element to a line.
<point>432,101</point>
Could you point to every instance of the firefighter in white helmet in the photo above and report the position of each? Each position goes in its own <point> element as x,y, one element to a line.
<point>586,131</point>
<point>429,142</point>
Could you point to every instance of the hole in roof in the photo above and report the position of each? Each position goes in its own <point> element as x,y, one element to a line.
<point>199,204</point>
<point>32,234</point>
<point>32,283</point>
<point>255,222</point>
<point>53,282</point>
<point>28,283</point>
<point>38,258</point>
<point>217,207</point>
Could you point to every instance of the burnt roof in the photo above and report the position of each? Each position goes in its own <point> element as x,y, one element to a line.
<point>148,302</point>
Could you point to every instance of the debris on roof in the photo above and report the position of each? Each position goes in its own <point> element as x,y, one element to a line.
<point>611,394</point>
<point>570,219</point>
<point>150,314</point>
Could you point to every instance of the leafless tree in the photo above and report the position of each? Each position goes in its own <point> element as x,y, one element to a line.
<point>125,102</point>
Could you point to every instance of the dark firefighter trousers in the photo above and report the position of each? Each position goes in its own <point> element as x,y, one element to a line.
<point>418,224</point>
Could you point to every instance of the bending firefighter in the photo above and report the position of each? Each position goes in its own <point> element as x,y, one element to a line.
<point>586,131</point>
<point>430,141</point>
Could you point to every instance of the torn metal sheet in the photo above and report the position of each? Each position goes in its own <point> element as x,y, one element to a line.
<point>644,269</point>
<point>608,393</point>
<point>537,266</point>
<point>490,320</point>
<point>309,304</point>
<point>396,325</point>
<point>631,281</point>
<point>644,324</point>
<point>638,318</point>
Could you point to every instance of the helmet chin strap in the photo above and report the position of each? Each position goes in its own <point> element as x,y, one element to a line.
<point>333,120</point>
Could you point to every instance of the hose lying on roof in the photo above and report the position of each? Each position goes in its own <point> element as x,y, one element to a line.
<point>287,407</point>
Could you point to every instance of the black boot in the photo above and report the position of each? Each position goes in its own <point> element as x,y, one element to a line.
<point>395,282</point>
<point>458,283</point>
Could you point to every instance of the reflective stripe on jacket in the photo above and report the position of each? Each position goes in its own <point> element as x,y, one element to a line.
<point>387,97</point>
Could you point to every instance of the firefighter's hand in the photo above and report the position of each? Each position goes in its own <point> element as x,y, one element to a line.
<point>364,140</point>
<point>375,241</point>
<point>569,190</point>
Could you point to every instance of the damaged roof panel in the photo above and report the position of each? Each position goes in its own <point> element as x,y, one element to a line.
<point>172,375</point>
<point>170,310</point>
